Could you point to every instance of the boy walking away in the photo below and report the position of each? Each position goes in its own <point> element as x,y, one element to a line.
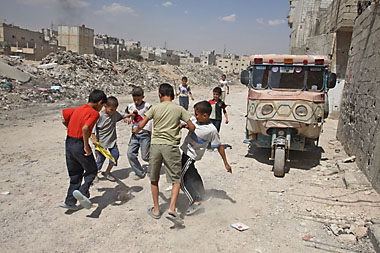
<point>223,84</point>
<point>104,132</point>
<point>140,140</point>
<point>184,92</point>
<point>79,159</point>
<point>193,149</point>
<point>164,148</point>
<point>218,106</point>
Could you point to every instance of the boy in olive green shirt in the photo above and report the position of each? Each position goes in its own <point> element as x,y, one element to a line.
<point>165,148</point>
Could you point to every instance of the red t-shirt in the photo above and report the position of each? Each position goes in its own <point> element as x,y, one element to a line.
<point>78,117</point>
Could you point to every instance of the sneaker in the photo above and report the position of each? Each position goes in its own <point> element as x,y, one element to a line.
<point>83,200</point>
<point>70,207</point>
<point>109,176</point>
<point>215,150</point>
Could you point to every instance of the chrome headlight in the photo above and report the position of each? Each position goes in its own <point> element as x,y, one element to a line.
<point>267,109</point>
<point>301,110</point>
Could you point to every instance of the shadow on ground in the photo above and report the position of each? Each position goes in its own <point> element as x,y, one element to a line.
<point>304,160</point>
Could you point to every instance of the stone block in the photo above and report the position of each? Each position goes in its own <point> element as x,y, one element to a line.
<point>374,235</point>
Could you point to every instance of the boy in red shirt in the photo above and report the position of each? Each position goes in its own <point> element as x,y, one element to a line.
<point>79,159</point>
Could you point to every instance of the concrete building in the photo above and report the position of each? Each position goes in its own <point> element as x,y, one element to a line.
<point>208,58</point>
<point>359,128</point>
<point>25,43</point>
<point>232,63</point>
<point>324,27</point>
<point>108,47</point>
<point>79,39</point>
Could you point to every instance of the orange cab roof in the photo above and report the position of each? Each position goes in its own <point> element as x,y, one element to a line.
<point>297,59</point>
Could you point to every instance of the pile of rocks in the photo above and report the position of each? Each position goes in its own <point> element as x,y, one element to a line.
<point>68,75</point>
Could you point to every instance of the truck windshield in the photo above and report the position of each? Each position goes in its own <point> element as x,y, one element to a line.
<point>288,77</point>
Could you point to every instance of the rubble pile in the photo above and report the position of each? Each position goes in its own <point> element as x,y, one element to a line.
<point>68,75</point>
<point>200,75</point>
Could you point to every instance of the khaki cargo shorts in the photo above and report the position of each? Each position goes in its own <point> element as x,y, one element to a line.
<point>170,156</point>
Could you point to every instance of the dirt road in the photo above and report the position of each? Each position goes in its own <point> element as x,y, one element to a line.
<point>298,213</point>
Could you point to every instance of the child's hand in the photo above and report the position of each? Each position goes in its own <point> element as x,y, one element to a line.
<point>128,120</point>
<point>227,121</point>
<point>87,150</point>
<point>183,125</point>
<point>228,167</point>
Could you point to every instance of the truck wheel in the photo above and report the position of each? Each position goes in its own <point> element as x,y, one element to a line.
<point>279,162</point>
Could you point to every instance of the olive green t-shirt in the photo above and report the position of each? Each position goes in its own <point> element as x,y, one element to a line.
<point>166,118</point>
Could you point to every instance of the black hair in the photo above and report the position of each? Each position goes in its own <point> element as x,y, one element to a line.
<point>112,101</point>
<point>166,90</point>
<point>96,96</point>
<point>184,78</point>
<point>203,107</point>
<point>137,92</point>
<point>224,75</point>
<point>217,90</point>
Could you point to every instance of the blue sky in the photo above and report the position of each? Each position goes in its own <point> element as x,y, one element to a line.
<point>239,26</point>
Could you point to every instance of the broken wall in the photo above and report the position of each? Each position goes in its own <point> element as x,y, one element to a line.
<point>358,128</point>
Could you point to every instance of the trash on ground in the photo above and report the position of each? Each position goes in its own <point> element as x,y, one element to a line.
<point>239,226</point>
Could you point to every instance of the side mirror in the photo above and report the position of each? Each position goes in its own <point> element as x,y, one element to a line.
<point>331,80</point>
<point>244,77</point>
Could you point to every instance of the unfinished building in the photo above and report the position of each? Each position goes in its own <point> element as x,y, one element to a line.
<point>79,39</point>
<point>347,31</point>
<point>24,43</point>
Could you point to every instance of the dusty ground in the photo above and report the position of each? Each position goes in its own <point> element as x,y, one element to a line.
<point>279,212</point>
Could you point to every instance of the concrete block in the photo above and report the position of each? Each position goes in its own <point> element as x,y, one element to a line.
<point>355,180</point>
<point>374,236</point>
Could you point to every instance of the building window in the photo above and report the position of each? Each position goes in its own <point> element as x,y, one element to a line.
<point>13,37</point>
<point>23,38</point>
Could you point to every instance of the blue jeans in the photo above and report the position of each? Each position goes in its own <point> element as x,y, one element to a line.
<point>139,141</point>
<point>184,102</point>
<point>101,158</point>
<point>216,123</point>
<point>80,168</point>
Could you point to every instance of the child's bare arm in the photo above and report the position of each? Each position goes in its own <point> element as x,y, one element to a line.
<point>225,115</point>
<point>86,135</point>
<point>191,96</point>
<point>223,155</point>
<point>190,126</point>
<point>94,139</point>
<point>141,125</point>
<point>65,123</point>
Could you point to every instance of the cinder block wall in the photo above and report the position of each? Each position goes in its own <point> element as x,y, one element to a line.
<point>358,128</point>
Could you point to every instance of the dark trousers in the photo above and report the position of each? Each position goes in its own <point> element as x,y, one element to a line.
<point>79,167</point>
<point>191,181</point>
<point>184,102</point>
<point>216,123</point>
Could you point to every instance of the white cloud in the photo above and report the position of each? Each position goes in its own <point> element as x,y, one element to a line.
<point>230,18</point>
<point>186,12</point>
<point>167,4</point>
<point>115,9</point>
<point>260,20</point>
<point>276,21</point>
<point>75,3</point>
<point>72,4</point>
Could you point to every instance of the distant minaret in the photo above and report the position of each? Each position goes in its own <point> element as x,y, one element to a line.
<point>224,49</point>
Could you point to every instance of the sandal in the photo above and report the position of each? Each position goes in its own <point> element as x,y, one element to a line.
<point>109,176</point>
<point>175,219</point>
<point>193,209</point>
<point>151,214</point>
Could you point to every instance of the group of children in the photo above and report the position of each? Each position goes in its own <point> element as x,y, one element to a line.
<point>156,131</point>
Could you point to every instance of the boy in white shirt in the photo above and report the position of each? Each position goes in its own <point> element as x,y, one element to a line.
<point>141,140</point>
<point>223,84</point>
<point>193,148</point>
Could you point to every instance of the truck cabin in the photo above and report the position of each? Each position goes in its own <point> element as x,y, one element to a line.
<point>308,73</point>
